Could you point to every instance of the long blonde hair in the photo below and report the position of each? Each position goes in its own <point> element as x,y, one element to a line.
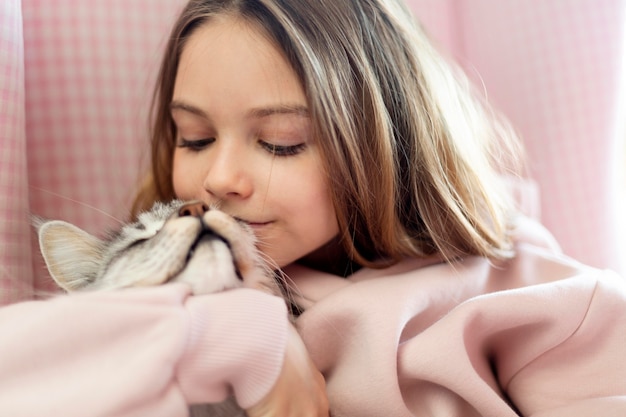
<point>410,152</point>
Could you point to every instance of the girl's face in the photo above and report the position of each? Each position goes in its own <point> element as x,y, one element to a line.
<point>244,139</point>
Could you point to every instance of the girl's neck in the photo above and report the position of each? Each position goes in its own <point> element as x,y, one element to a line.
<point>330,258</point>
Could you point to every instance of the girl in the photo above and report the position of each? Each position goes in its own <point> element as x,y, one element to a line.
<point>367,170</point>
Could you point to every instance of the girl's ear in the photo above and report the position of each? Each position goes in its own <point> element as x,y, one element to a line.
<point>72,255</point>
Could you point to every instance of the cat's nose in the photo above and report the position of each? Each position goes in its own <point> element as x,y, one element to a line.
<point>193,208</point>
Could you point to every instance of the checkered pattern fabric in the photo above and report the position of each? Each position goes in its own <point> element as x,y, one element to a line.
<point>90,67</point>
<point>16,281</point>
<point>557,70</point>
<point>76,77</point>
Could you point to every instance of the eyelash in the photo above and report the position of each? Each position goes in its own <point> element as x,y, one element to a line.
<point>276,150</point>
<point>280,150</point>
<point>195,145</point>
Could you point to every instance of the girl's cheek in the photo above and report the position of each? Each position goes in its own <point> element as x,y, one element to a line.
<point>188,180</point>
<point>178,178</point>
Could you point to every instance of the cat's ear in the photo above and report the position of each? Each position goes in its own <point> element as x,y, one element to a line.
<point>72,255</point>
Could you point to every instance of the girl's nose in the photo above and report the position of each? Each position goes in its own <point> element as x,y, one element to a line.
<point>229,176</point>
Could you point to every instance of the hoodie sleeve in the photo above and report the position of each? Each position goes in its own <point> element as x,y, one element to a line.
<point>139,352</point>
<point>549,350</point>
<point>584,372</point>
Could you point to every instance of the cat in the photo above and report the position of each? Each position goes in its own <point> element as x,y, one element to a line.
<point>177,241</point>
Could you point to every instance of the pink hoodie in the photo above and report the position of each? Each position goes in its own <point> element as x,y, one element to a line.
<point>540,334</point>
<point>138,352</point>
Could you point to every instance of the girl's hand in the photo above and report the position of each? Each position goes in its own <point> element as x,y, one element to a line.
<point>300,390</point>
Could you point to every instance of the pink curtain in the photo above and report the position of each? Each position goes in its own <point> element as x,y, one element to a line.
<point>556,69</point>
<point>90,67</point>
<point>16,278</point>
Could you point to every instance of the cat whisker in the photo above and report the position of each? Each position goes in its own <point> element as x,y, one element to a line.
<point>81,203</point>
<point>287,288</point>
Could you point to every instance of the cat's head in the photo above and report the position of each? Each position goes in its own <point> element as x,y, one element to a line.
<point>175,241</point>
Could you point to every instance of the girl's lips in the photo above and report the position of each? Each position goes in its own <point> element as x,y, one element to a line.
<point>256,225</point>
<point>253,224</point>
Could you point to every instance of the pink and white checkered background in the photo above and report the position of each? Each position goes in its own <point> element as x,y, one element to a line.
<point>557,70</point>
<point>76,77</point>
<point>16,278</point>
<point>90,67</point>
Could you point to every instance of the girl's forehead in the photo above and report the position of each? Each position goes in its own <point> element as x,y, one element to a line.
<point>232,28</point>
<point>228,69</point>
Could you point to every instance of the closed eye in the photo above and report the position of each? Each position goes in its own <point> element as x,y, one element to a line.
<point>136,243</point>
<point>195,145</point>
<point>282,150</point>
<point>137,233</point>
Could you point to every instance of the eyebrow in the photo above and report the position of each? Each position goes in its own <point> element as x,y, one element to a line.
<point>261,112</point>
<point>179,105</point>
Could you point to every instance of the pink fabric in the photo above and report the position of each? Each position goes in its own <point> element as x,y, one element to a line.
<point>90,67</point>
<point>16,281</point>
<point>422,338</point>
<point>466,339</point>
<point>147,352</point>
<point>556,69</point>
